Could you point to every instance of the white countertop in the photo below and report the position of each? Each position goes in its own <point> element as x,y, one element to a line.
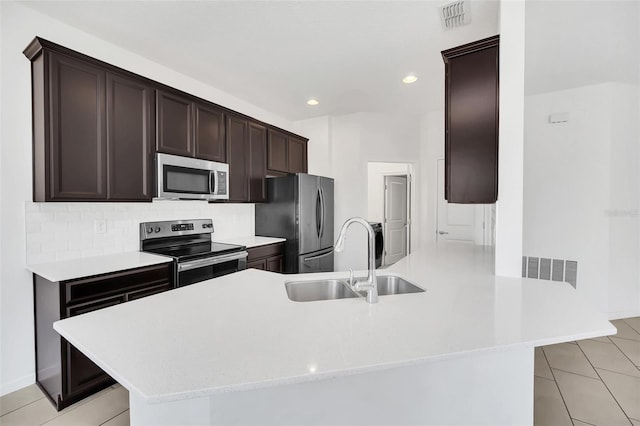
<point>241,332</point>
<point>252,241</point>
<point>89,266</point>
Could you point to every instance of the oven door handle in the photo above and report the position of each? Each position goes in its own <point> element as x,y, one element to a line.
<point>201,263</point>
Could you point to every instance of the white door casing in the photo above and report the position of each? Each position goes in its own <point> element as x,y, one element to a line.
<point>395,218</point>
<point>455,222</point>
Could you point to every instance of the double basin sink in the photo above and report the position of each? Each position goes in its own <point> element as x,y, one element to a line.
<point>335,288</point>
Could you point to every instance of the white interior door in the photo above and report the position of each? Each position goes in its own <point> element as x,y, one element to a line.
<point>395,218</point>
<point>456,222</point>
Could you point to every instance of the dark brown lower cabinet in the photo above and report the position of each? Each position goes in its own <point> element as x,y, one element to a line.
<point>63,372</point>
<point>268,258</point>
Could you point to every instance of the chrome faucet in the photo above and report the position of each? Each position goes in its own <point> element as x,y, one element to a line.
<point>371,285</point>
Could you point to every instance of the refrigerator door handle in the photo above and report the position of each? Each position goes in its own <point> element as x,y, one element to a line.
<point>318,256</point>
<point>323,210</point>
<point>318,212</point>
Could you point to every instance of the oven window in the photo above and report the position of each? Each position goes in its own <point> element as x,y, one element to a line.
<point>207,272</point>
<point>186,180</point>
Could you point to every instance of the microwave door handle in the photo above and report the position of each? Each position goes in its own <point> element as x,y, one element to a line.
<point>212,182</point>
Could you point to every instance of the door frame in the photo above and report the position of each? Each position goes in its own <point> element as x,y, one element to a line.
<point>407,175</point>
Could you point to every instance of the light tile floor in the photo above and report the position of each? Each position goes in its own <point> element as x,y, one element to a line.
<point>589,382</point>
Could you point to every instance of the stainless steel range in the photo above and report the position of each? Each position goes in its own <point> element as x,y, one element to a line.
<point>188,242</point>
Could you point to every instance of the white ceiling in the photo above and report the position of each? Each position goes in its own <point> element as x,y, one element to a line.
<point>350,55</point>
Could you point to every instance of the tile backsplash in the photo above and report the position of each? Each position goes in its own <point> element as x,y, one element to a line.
<point>60,231</point>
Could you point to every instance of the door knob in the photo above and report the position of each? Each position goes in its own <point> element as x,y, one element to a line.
<point>442,232</point>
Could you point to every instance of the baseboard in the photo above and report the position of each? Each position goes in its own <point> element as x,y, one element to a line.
<point>624,314</point>
<point>14,385</point>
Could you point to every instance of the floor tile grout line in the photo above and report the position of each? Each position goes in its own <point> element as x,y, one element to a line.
<point>22,406</point>
<point>625,321</point>
<point>108,420</point>
<point>605,384</point>
<point>546,378</point>
<point>577,374</point>
<point>566,407</point>
<point>626,356</point>
<point>617,372</point>
<point>581,421</point>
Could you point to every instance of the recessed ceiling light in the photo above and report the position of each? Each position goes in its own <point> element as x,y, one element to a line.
<point>410,79</point>
<point>312,102</point>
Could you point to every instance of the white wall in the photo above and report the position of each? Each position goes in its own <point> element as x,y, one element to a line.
<point>581,189</point>
<point>19,25</point>
<point>319,149</point>
<point>508,249</point>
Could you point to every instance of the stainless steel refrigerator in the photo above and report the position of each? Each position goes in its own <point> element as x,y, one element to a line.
<point>300,209</point>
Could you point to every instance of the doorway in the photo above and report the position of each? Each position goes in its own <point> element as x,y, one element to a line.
<point>390,203</point>
<point>396,218</point>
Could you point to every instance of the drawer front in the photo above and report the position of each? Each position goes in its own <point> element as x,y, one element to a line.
<point>265,251</point>
<point>258,264</point>
<point>94,305</point>
<point>118,283</point>
<point>148,291</point>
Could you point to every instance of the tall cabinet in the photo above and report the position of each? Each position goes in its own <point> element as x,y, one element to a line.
<point>471,122</point>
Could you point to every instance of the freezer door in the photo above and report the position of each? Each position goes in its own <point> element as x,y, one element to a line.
<point>326,226</point>
<point>309,213</point>
<point>321,261</point>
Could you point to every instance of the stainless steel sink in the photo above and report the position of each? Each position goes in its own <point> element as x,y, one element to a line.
<point>309,291</point>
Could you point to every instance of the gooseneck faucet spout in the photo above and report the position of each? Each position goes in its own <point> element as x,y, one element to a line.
<point>371,285</point>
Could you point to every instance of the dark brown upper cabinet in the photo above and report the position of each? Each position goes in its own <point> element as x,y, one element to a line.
<point>257,163</point>
<point>247,144</point>
<point>97,127</point>
<point>237,146</point>
<point>471,122</point>
<point>297,155</point>
<point>92,129</point>
<point>209,131</point>
<point>286,153</point>
<point>189,127</point>
<point>130,135</point>
<point>175,124</point>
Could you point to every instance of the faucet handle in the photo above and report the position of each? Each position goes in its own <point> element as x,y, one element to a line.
<point>350,277</point>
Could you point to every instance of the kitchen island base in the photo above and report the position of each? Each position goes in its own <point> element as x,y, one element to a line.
<point>493,387</point>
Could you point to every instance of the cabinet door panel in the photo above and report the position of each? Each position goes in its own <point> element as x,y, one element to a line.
<point>471,117</point>
<point>277,151</point>
<point>275,264</point>
<point>79,372</point>
<point>257,163</point>
<point>174,115</point>
<point>210,143</point>
<point>297,156</point>
<point>237,150</point>
<point>78,132</point>
<point>131,133</point>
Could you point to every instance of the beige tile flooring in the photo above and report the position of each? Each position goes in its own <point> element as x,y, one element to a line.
<point>589,382</point>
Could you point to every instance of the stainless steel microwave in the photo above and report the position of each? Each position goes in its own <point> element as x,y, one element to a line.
<point>191,178</point>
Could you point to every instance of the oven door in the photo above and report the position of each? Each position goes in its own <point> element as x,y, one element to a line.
<point>194,271</point>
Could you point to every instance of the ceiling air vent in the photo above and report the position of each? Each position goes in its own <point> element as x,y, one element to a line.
<point>455,14</point>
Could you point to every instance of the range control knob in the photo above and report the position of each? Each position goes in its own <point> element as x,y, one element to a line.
<point>157,229</point>
<point>150,230</point>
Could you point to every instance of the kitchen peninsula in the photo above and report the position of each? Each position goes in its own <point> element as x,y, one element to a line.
<point>236,350</point>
